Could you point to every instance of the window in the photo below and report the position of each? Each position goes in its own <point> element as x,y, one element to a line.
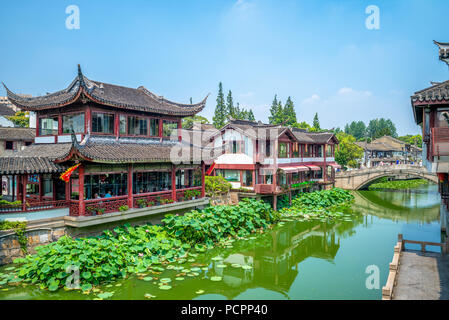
<point>9,145</point>
<point>48,126</point>
<point>147,182</point>
<point>230,175</point>
<point>154,127</point>
<point>122,124</point>
<point>295,150</point>
<point>168,127</point>
<point>268,148</point>
<point>73,122</point>
<point>318,151</point>
<point>307,151</point>
<point>101,184</point>
<point>248,178</point>
<point>102,123</point>
<point>283,150</point>
<point>329,149</point>
<point>137,126</point>
<point>28,143</point>
<point>188,178</point>
<point>47,186</point>
<point>234,147</point>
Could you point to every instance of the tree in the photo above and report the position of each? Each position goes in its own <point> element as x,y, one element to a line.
<point>316,123</point>
<point>413,140</point>
<point>220,115</point>
<point>230,110</point>
<point>275,112</point>
<point>348,154</point>
<point>188,122</point>
<point>20,119</point>
<point>289,113</point>
<point>381,127</point>
<point>356,129</point>
<point>302,125</point>
<point>251,115</point>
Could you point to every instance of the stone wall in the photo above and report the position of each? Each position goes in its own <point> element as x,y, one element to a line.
<point>10,247</point>
<point>222,199</point>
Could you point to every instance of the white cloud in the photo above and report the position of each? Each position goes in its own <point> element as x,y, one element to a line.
<point>311,100</point>
<point>350,91</point>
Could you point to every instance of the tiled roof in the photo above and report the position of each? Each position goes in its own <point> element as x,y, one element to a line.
<point>11,133</point>
<point>32,165</point>
<point>139,99</point>
<point>6,110</point>
<point>436,93</point>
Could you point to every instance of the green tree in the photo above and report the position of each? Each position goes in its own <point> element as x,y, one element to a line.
<point>20,119</point>
<point>356,129</point>
<point>230,110</point>
<point>188,122</point>
<point>412,139</point>
<point>381,127</point>
<point>316,123</point>
<point>289,113</point>
<point>251,115</point>
<point>348,154</point>
<point>220,115</point>
<point>276,112</point>
<point>302,125</point>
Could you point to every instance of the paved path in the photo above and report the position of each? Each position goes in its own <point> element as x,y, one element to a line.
<point>422,276</point>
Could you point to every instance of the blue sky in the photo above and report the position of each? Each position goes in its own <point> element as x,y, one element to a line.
<point>318,52</point>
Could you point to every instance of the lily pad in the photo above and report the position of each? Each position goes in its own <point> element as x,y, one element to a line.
<point>247,267</point>
<point>147,279</point>
<point>217,258</point>
<point>221,266</point>
<point>216,279</point>
<point>105,295</point>
<point>86,287</point>
<point>179,279</point>
<point>236,265</point>
<point>149,296</point>
<point>165,287</point>
<point>200,292</point>
<point>165,280</point>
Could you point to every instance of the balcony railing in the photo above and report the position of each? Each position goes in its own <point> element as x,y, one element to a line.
<point>440,142</point>
<point>264,189</point>
<point>32,206</point>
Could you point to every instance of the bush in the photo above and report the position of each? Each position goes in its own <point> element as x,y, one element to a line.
<point>216,185</point>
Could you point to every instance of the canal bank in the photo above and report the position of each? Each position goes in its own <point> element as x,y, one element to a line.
<point>296,260</point>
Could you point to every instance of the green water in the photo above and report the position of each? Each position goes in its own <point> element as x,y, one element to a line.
<point>297,260</point>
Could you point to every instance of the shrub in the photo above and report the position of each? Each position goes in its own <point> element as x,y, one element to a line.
<point>216,185</point>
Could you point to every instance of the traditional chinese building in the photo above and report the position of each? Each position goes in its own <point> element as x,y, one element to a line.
<point>124,139</point>
<point>273,160</point>
<point>431,112</point>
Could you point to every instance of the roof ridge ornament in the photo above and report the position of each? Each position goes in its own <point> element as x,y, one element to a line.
<point>444,51</point>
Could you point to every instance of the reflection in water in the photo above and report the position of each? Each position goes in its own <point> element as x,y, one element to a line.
<point>299,260</point>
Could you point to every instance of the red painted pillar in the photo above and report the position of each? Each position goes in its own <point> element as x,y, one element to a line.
<point>203,178</point>
<point>24,192</point>
<point>180,130</point>
<point>325,164</point>
<point>130,186</point>
<point>117,125</point>
<point>67,191</point>
<point>161,123</point>
<point>173,183</point>
<point>82,209</point>
<point>40,188</point>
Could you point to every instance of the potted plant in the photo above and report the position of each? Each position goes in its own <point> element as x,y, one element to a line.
<point>100,211</point>
<point>142,203</point>
<point>158,200</point>
<point>123,208</point>
<point>150,203</point>
<point>92,210</point>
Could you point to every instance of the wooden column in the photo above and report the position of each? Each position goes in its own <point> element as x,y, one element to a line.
<point>325,163</point>
<point>160,127</point>
<point>67,191</point>
<point>203,178</point>
<point>14,185</point>
<point>24,192</point>
<point>40,188</point>
<point>173,183</point>
<point>130,186</point>
<point>275,202</point>
<point>275,164</point>
<point>180,130</point>
<point>82,209</point>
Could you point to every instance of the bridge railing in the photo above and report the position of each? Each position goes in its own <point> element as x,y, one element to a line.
<point>394,167</point>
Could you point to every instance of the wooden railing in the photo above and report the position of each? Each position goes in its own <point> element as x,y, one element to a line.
<point>33,205</point>
<point>440,142</point>
<point>108,204</point>
<point>181,193</point>
<point>152,197</point>
<point>264,188</point>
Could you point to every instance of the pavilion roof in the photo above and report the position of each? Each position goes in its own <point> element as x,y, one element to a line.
<point>12,133</point>
<point>140,99</point>
<point>28,165</point>
<point>436,93</point>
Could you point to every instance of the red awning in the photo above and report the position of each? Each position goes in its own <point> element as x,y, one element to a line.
<point>335,165</point>
<point>294,169</point>
<point>314,168</point>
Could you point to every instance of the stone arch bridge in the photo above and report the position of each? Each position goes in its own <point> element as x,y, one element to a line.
<point>357,179</point>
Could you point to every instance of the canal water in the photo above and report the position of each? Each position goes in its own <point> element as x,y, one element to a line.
<point>296,260</point>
